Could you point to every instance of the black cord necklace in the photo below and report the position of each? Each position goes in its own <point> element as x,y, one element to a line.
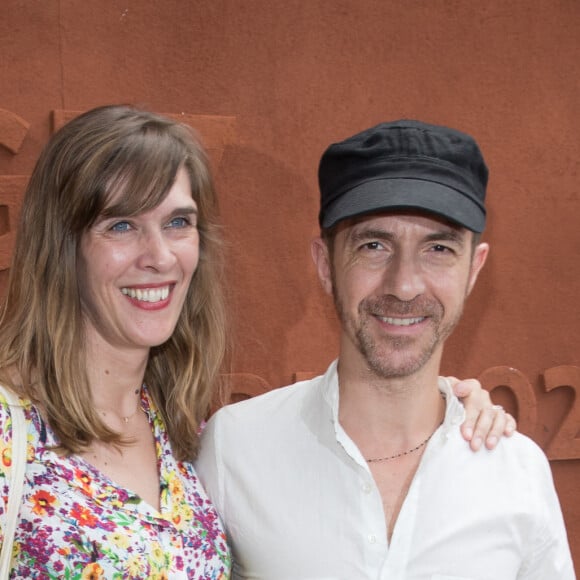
<point>409,451</point>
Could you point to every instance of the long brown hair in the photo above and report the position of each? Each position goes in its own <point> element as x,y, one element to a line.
<point>108,149</point>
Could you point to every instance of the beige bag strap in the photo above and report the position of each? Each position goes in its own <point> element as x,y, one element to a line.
<point>19,445</point>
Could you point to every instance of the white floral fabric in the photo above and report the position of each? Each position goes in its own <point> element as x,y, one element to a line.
<point>76,523</point>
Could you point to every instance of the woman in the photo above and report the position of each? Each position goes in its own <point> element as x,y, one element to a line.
<point>112,335</point>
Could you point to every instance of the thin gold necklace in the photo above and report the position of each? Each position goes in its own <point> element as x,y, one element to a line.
<point>127,418</point>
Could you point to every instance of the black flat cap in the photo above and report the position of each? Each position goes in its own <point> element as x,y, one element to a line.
<point>404,165</point>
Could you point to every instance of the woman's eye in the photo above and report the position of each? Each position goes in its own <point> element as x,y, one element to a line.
<point>179,222</point>
<point>121,227</point>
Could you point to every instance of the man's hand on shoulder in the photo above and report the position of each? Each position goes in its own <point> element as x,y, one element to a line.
<point>484,421</point>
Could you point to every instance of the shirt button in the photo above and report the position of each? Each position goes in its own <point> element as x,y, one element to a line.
<point>366,487</point>
<point>372,539</point>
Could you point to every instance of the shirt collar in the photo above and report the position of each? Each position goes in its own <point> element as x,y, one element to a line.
<point>330,389</point>
<point>454,411</point>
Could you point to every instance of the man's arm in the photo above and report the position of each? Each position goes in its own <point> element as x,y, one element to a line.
<point>484,421</point>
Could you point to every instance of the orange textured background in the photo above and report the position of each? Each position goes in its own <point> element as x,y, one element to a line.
<point>281,79</point>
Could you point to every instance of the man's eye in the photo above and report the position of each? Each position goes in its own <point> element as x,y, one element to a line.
<point>441,248</point>
<point>372,246</point>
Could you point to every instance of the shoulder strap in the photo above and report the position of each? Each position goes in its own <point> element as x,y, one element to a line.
<point>19,445</point>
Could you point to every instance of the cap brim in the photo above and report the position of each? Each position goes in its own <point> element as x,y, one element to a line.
<point>390,194</point>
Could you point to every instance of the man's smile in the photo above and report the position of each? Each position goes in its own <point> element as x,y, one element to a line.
<point>401,321</point>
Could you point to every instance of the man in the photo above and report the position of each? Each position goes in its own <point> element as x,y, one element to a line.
<point>362,473</point>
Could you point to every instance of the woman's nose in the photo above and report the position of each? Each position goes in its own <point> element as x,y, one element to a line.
<point>156,252</point>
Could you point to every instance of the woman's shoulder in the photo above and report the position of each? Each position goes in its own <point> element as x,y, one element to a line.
<point>10,384</point>
<point>8,399</point>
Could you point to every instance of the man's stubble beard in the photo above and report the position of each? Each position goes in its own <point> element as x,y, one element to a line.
<point>379,353</point>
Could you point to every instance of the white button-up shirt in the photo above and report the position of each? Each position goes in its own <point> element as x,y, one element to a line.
<point>299,501</point>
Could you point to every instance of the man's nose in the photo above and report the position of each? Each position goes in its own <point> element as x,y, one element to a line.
<point>404,278</point>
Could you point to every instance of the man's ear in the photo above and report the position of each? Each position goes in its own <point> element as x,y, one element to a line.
<point>321,258</point>
<point>480,254</point>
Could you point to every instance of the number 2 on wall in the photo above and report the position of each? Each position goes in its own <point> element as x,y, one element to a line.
<point>565,443</point>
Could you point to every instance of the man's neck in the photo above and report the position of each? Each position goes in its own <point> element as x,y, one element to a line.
<point>388,415</point>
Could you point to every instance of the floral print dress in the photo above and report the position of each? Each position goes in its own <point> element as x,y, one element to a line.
<point>76,523</point>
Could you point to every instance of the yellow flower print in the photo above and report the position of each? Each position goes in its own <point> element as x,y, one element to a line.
<point>108,494</point>
<point>133,567</point>
<point>30,448</point>
<point>175,487</point>
<point>157,554</point>
<point>119,539</point>
<point>182,515</point>
<point>92,572</point>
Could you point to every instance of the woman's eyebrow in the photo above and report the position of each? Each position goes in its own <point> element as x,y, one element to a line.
<point>187,210</point>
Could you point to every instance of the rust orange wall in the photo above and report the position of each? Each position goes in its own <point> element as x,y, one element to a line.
<point>275,81</point>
